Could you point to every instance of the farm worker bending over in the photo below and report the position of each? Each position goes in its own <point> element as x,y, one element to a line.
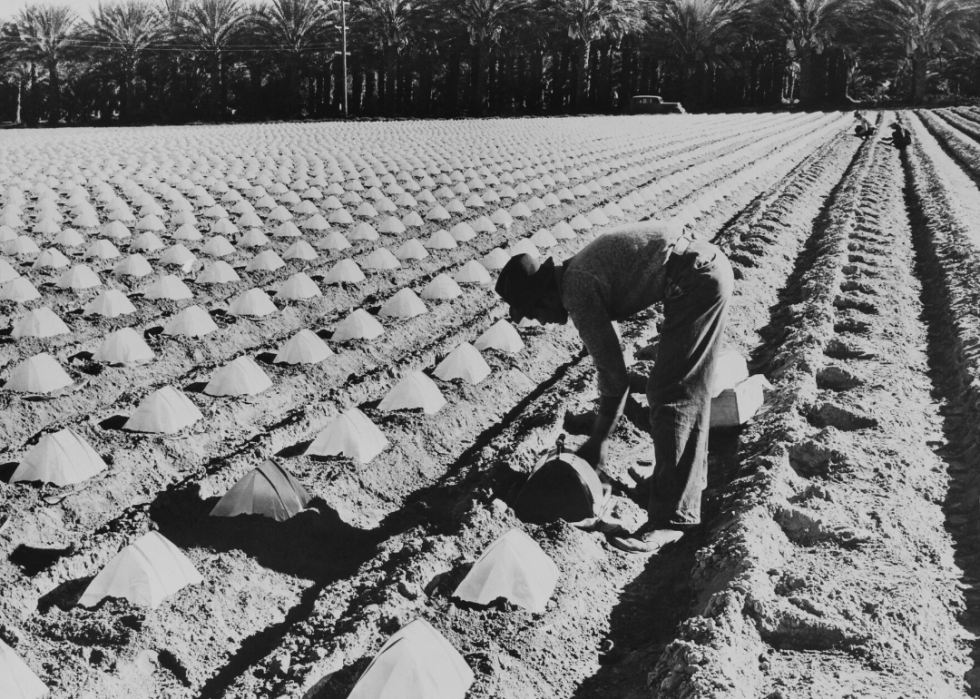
<point>612,278</point>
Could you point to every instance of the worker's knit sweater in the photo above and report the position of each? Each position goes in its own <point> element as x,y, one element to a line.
<point>612,278</point>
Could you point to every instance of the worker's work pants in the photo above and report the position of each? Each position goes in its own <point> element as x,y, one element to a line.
<point>698,286</point>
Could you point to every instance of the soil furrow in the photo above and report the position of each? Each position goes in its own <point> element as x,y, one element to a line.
<point>948,257</point>
<point>831,532</point>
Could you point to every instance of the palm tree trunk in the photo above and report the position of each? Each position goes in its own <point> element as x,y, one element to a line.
<point>20,100</point>
<point>920,64</point>
<point>582,74</point>
<point>808,79</point>
<point>391,61</point>
<point>292,85</point>
<point>355,94</point>
<point>124,95</point>
<point>215,70</point>
<point>481,69</point>
<point>54,93</point>
<point>451,99</point>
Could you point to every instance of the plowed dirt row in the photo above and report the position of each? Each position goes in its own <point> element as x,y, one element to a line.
<point>831,574</point>
<point>230,567</point>
<point>943,199</point>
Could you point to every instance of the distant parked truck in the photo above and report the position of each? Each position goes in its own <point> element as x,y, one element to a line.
<point>654,104</point>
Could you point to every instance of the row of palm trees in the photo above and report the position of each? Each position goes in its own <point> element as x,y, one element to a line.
<point>179,60</point>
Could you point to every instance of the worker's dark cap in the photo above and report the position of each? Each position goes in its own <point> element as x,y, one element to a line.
<point>895,125</point>
<point>521,282</point>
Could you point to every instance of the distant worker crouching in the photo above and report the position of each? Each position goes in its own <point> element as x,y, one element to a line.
<point>612,278</point>
<point>901,137</point>
<point>863,129</point>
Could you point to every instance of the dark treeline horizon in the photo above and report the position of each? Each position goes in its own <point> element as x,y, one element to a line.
<point>175,61</point>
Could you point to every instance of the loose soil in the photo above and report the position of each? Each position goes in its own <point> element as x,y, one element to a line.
<point>839,552</point>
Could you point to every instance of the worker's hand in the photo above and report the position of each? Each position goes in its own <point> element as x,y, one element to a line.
<point>594,453</point>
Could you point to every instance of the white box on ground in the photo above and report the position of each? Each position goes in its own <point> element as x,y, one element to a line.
<point>735,406</point>
<point>730,371</point>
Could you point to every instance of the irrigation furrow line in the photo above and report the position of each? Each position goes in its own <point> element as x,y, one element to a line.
<point>718,638</point>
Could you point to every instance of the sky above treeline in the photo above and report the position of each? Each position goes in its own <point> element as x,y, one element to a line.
<point>10,8</point>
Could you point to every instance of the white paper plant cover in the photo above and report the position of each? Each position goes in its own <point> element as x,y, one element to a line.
<point>416,390</point>
<point>300,250</point>
<point>473,273</point>
<point>146,242</point>
<point>193,321</point>
<point>462,232</point>
<point>253,302</point>
<point>513,567</point>
<point>364,231</point>
<point>334,240</point>
<point>78,277</point>
<point>125,346</point>
<point>440,240</point>
<point>218,246</point>
<point>218,272</point>
<point>411,250</point>
<point>38,374</point>
<point>441,288</point>
<point>20,290</point>
<point>562,231</point>
<point>41,322</point>
<point>111,303</point>
<point>359,325</point>
<point>254,238</point>
<point>166,411</point>
<point>7,273</point>
<point>417,662</point>
<point>17,680</point>
<point>501,336</point>
<point>404,304</point>
<point>495,259</point>
<point>543,239</point>
<point>62,458</point>
<point>305,347</point>
<point>381,259</point>
<point>51,258</point>
<point>145,572</point>
<point>168,287</point>
<point>298,287</point>
<point>524,246</point>
<point>269,490</point>
<point>242,377</point>
<point>345,271</point>
<point>352,435</point>
<point>134,265</point>
<point>465,362</point>
<point>265,261</point>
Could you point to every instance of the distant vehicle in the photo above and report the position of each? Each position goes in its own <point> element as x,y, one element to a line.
<point>654,104</point>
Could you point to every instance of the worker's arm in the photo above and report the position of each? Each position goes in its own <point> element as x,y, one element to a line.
<point>595,447</point>
<point>587,307</point>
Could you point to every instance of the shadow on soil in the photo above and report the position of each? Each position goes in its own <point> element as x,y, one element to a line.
<point>315,544</point>
<point>960,449</point>
<point>645,620</point>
